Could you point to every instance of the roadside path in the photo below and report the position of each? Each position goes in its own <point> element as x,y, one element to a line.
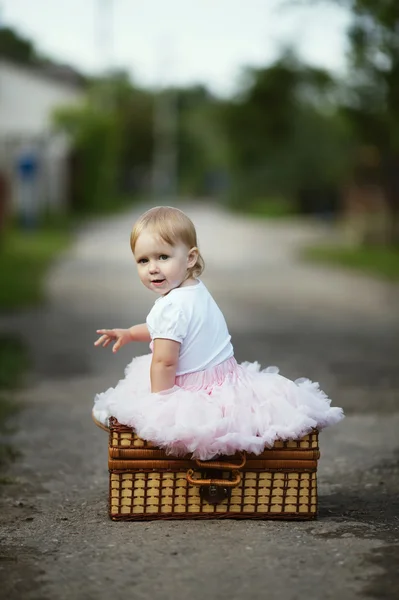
<point>57,541</point>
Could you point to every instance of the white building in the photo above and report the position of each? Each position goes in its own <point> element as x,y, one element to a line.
<point>28,98</point>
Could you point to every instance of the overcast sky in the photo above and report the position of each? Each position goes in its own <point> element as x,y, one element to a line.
<point>180,41</point>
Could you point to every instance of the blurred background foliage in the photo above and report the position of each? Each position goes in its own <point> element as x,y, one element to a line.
<point>294,139</point>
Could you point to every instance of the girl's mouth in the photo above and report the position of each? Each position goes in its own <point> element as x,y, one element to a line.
<point>158,282</point>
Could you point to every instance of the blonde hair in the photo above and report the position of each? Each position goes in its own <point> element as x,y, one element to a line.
<point>172,226</point>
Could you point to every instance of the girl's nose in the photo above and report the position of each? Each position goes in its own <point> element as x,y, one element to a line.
<point>153,267</point>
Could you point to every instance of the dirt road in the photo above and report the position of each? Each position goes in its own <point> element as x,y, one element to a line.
<point>56,539</point>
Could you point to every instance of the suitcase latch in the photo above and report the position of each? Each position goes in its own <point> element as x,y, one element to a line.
<point>215,494</point>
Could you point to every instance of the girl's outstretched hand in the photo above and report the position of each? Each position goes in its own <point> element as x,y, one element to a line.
<point>120,336</point>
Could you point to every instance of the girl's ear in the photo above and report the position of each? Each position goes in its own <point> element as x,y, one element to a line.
<point>192,258</point>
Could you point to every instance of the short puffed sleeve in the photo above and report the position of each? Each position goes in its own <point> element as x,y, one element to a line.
<point>167,321</point>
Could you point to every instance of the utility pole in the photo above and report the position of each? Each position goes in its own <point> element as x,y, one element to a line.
<point>165,144</point>
<point>165,165</point>
<point>104,34</point>
<point>104,49</point>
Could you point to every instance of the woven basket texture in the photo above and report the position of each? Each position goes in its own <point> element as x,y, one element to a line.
<point>146,483</point>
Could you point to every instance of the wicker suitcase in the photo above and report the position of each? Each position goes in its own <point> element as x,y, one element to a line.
<point>145,483</point>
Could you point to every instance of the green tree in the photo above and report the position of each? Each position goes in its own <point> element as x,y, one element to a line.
<point>285,135</point>
<point>16,47</point>
<point>133,108</point>
<point>200,141</point>
<point>111,136</point>
<point>95,137</point>
<point>372,102</point>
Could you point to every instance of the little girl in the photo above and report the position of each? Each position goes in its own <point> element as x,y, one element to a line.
<point>190,396</point>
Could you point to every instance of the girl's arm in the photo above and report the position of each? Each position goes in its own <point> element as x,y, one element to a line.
<point>140,333</point>
<point>164,363</point>
<point>137,333</point>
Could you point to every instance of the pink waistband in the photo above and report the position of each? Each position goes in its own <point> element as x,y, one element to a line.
<point>210,378</point>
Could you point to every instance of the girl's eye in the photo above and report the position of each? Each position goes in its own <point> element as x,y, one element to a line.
<point>143,261</point>
<point>163,257</point>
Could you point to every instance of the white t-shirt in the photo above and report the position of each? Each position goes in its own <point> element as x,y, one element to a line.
<point>190,315</point>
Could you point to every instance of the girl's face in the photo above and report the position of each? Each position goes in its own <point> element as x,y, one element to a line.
<point>162,267</point>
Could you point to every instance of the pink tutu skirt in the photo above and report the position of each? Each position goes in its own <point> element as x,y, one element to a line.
<point>222,410</point>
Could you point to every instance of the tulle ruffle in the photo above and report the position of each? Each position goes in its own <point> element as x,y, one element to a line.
<point>222,410</point>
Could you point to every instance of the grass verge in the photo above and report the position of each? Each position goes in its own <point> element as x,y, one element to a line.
<point>13,364</point>
<point>24,259</point>
<point>382,262</point>
<point>268,208</point>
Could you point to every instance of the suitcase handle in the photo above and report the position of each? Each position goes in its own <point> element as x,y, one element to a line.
<point>222,466</point>
<point>226,483</point>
